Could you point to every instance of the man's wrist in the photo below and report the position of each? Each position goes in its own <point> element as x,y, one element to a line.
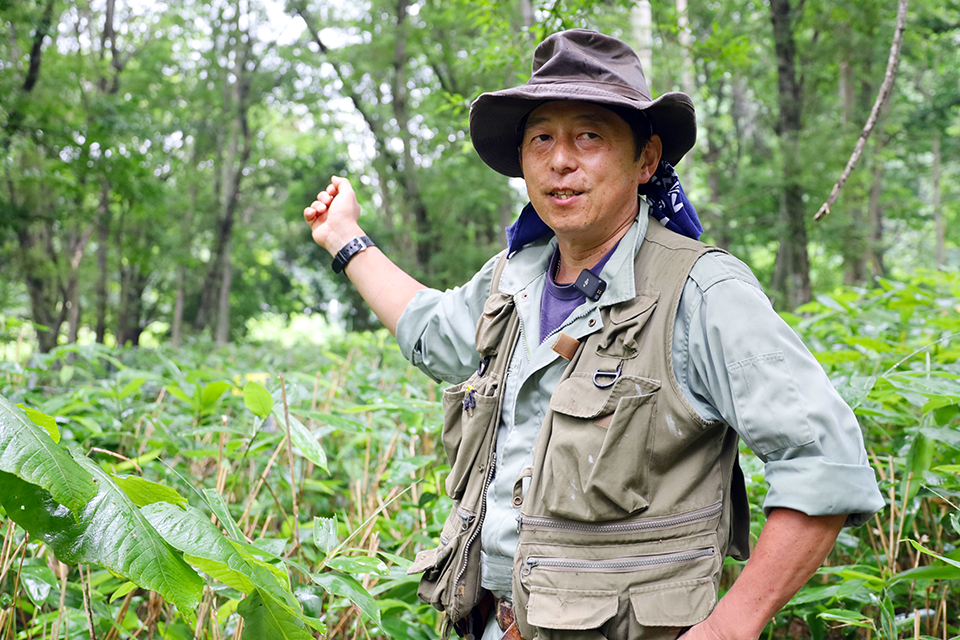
<point>349,250</point>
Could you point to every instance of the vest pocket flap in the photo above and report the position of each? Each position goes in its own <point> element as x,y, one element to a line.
<point>425,559</point>
<point>579,397</point>
<point>550,608</point>
<point>675,604</point>
<point>620,313</point>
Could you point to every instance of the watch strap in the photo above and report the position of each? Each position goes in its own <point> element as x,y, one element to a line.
<point>349,250</point>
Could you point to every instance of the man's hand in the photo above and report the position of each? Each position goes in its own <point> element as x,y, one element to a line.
<point>334,215</point>
<point>333,220</point>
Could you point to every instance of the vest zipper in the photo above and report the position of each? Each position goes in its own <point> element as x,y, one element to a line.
<point>649,524</point>
<point>618,564</point>
<point>483,511</point>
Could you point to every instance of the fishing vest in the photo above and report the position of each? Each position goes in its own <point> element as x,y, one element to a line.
<point>633,499</point>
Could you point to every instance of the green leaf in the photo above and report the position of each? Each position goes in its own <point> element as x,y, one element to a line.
<point>39,581</point>
<point>124,589</point>
<point>132,387</point>
<point>177,392</point>
<point>219,508</point>
<point>325,534</point>
<point>257,399</point>
<point>852,618</point>
<point>919,547</point>
<point>27,451</point>
<point>358,565</point>
<point>143,492</point>
<point>345,586</point>
<point>266,619</point>
<point>43,420</point>
<point>212,393</point>
<point>110,531</point>
<point>303,440</point>
<point>205,547</point>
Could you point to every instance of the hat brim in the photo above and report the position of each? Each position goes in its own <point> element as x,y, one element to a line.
<point>494,118</point>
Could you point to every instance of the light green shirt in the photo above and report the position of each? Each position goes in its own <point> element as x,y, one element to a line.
<point>736,361</point>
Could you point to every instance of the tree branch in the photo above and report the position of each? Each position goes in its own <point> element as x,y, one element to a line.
<point>882,96</point>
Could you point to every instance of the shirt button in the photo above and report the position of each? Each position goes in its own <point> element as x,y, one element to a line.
<point>592,322</point>
<point>524,295</point>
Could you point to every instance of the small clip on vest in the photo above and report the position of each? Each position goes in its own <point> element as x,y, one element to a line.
<point>483,366</point>
<point>606,379</point>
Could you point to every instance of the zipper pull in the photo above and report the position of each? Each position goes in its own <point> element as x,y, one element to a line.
<point>519,519</point>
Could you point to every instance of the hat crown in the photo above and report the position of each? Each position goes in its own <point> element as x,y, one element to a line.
<point>587,57</point>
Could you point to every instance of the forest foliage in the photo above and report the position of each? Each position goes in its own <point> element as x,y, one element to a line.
<point>157,157</point>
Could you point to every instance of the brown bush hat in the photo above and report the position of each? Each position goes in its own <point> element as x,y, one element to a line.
<point>578,65</point>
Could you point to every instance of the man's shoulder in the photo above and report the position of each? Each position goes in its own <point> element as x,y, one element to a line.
<point>715,267</point>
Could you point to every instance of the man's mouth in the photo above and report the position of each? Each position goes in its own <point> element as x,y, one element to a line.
<point>564,194</point>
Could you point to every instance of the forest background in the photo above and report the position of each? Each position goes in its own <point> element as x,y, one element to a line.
<point>156,276</point>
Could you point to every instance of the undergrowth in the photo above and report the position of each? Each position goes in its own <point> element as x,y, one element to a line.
<point>260,492</point>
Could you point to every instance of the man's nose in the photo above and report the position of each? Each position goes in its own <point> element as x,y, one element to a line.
<point>563,157</point>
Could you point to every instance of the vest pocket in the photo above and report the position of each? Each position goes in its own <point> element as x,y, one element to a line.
<point>439,565</point>
<point>593,463</point>
<point>467,413</point>
<point>629,591</point>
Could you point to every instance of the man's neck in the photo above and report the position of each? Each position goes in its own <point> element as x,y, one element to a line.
<point>576,256</point>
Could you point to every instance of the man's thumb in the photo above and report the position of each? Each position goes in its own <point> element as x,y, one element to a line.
<point>341,183</point>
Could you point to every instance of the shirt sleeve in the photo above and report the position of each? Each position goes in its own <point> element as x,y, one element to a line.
<point>436,331</point>
<point>740,363</point>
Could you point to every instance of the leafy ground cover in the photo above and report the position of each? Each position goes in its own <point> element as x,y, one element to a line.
<point>255,491</point>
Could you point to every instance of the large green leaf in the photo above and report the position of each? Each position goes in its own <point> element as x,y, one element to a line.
<point>266,619</point>
<point>110,531</point>
<point>29,452</point>
<point>340,584</point>
<point>257,399</point>
<point>190,530</point>
<point>144,492</point>
<point>303,440</point>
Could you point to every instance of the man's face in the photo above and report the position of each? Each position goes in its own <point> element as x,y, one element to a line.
<point>579,164</point>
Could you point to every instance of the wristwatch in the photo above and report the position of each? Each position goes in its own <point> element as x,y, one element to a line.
<point>349,250</point>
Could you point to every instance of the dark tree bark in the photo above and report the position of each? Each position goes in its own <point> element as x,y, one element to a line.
<point>791,278</point>
<point>103,243</point>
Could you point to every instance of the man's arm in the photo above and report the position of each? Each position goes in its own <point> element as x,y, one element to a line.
<point>791,547</point>
<point>334,220</point>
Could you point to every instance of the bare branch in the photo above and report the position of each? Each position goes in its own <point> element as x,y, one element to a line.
<point>884,94</point>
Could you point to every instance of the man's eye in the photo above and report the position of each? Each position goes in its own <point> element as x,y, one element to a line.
<point>589,135</point>
<point>543,137</point>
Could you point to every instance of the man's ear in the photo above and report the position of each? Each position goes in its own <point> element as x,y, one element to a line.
<point>650,158</point>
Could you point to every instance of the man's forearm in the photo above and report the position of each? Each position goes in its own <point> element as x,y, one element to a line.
<point>791,547</point>
<point>383,285</point>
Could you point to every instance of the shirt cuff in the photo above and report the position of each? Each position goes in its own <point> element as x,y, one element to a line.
<point>798,484</point>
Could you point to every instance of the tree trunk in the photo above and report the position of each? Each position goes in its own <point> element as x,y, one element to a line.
<point>791,279</point>
<point>78,247</point>
<point>239,146</point>
<point>103,245</point>
<point>223,307</point>
<point>42,287</point>
<point>413,199</point>
<point>875,212</point>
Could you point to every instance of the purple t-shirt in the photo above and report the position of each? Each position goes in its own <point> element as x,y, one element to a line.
<point>559,300</point>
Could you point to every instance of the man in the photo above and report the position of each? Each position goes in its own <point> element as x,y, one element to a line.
<point>606,365</point>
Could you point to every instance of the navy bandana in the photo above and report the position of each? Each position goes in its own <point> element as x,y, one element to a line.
<point>668,204</point>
